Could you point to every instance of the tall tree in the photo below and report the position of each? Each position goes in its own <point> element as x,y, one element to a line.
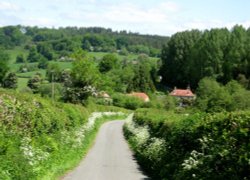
<point>235,58</point>
<point>10,81</point>
<point>33,56</point>
<point>108,62</point>
<point>34,83</point>
<point>207,55</point>
<point>53,72</point>
<point>45,49</point>
<point>142,80</point>
<point>176,58</point>
<point>4,59</point>
<point>84,78</point>
<point>20,58</point>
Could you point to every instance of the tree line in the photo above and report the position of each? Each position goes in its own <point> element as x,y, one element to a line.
<point>221,54</point>
<point>65,40</point>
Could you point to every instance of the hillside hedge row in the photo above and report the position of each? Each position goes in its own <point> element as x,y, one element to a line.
<point>198,146</point>
<point>40,139</point>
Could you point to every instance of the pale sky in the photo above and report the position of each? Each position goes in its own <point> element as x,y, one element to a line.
<point>162,17</point>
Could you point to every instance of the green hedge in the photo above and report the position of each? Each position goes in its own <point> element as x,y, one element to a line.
<point>128,102</point>
<point>198,146</point>
<point>39,138</point>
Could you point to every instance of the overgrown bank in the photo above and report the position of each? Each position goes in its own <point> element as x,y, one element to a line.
<point>198,146</point>
<point>40,139</point>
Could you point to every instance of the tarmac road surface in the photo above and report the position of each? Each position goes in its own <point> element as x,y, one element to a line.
<point>109,159</point>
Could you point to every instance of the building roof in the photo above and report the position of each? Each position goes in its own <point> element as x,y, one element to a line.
<point>103,94</point>
<point>140,95</point>
<point>182,93</point>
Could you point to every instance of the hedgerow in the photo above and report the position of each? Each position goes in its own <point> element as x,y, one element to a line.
<point>40,139</point>
<point>198,146</point>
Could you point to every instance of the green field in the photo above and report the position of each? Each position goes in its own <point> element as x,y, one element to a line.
<point>131,56</point>
<point>63,65</point>
<point>16,51</point>
<point>22,83</point>
<point>23,77</point>
<point>32,73</point>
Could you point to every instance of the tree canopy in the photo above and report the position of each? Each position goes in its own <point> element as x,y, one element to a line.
<point>4,58</point>
<point>190,56</point>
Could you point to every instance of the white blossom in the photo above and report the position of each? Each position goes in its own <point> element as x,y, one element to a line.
<point>77,137</point>
<point>193,161</point>
<point>32,154</point>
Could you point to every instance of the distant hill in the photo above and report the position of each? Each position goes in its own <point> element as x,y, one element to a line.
<point>89,38</point>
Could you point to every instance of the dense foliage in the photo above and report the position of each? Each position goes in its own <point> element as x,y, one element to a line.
<point>4,58</point>
<point>214,97</point>
<point>128,102</point>
<point>40,139</point>
<point>84,65</point>
<point>83,80</point>
<point>172,146</point>
<point>190,56</point>
<point>10,81</point>
<point>64,40</point>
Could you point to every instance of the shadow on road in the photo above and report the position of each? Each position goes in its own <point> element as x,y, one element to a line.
<point>141,170</point>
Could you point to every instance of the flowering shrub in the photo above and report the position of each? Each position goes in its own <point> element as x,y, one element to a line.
<point>33,155</point>
<point>208,146</point>
<point>144,144</point>
<point>38,138</point>
<point>76,138</point>
<point>193,161</point>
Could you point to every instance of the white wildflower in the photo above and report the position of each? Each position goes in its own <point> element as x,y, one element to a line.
<point>205,141</point>
<point>156,148</point>
<point>78,136</point>
<point>32,154</point>
<point>193,161</point>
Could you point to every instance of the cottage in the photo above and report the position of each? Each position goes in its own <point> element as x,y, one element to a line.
<point>140,95</point>
<point>185,96</point>
<point>182,93</point>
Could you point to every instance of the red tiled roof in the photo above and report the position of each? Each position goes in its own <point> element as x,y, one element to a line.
<point>182,93</point>
<point>140,95</point>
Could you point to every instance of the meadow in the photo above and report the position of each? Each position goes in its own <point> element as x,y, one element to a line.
<point>24,76</point>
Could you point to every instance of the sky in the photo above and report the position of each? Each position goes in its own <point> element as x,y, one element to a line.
<point>161,17</point>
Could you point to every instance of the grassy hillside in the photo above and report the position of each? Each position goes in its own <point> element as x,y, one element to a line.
<point>15,52</point>
<point>24,76</point>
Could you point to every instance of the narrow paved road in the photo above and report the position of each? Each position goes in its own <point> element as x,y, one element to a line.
<point>109,159</point>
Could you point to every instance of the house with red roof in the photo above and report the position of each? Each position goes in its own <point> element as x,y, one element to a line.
<point>140,95</point>
<point>184,95</point>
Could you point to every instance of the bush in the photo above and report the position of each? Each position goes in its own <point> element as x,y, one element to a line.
<point>46,90</point>
<point>39,139</point>
<point>164,102</point>
<point>240,96</point>
<point>126,101</point>
<point>10,81</point>
<point>198,146</point>
<point>34,83</point>
<point>28,68</point>
<point>213,97</point>
<point>101,101</point>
